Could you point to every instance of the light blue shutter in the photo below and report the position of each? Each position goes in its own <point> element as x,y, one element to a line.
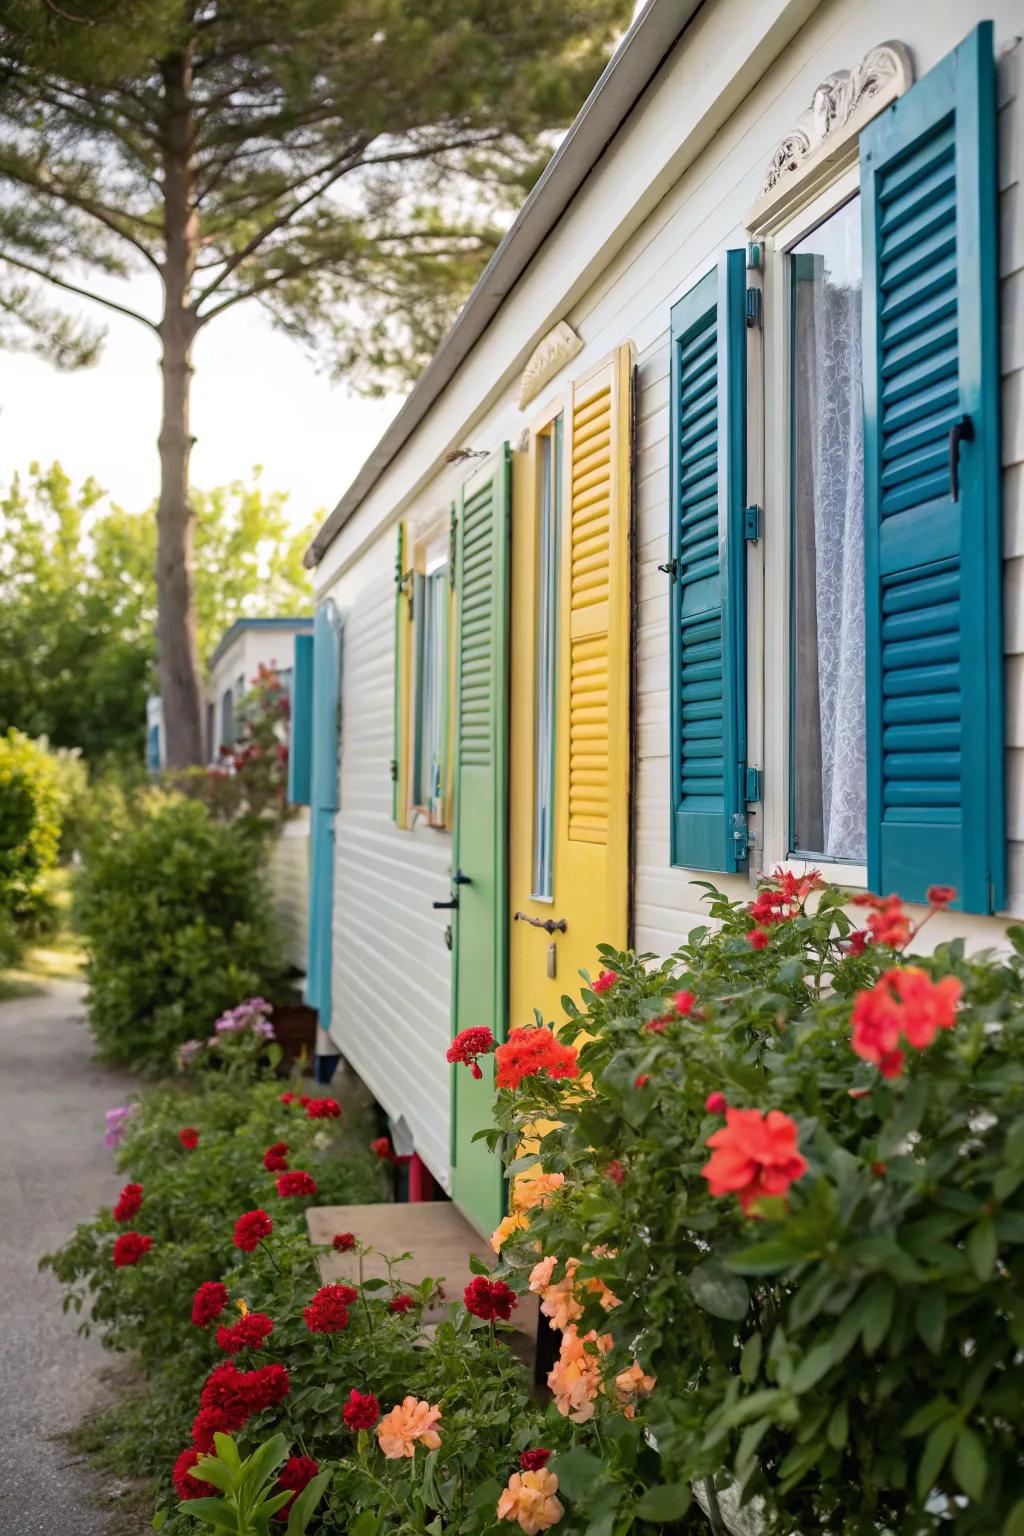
<point>323,804</point>
<point>300,736</point>
<point>708,571</point>
<point>932,549</point>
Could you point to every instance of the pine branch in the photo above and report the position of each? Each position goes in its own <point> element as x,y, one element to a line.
<point>82,293</point>
<point>48,186</point>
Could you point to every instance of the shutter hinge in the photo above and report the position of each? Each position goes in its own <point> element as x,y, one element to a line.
<point>752,524</point>
<point>754,309</point>
<point>671,567</point>
<point>753,788</point>
<point>394,770</point>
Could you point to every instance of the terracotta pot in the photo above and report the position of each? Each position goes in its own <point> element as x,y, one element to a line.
<point>295,1029</point>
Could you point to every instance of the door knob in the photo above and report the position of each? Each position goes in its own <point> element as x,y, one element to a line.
<point>550,926</point>
<point>460,879</point>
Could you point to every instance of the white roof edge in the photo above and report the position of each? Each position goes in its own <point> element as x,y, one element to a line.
<point>627,75</point>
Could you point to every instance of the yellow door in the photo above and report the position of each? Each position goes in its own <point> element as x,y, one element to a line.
<point>569,788</point>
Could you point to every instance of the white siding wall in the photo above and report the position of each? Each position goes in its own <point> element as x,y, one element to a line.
<point>392,971</point>
<point>722,140</point>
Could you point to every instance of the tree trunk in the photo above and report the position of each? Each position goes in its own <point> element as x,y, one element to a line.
<point>178,663</point>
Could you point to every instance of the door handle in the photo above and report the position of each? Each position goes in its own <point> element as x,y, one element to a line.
<point>961,431</point>
<point>460,879</point>
<point>445,906</point>
<point>550,926</point>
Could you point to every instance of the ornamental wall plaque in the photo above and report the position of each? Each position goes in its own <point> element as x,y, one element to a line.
<point>549,356</point>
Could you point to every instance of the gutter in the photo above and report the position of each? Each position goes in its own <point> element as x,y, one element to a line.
<point>627,75</point>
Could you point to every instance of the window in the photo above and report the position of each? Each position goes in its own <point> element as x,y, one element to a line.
<point>827,736</point>
<point>549,517</point>
<point>227,719</point>
<point>211,726</point>
<point>429,743</point>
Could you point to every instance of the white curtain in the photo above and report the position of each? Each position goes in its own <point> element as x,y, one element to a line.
<point>837,439</point>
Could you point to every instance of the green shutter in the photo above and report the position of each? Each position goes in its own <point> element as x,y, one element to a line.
<point>708,571</point>
<point>479,854</point>
<point>300,735</point>
<point>932,558</point>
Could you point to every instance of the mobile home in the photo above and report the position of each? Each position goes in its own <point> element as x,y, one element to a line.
<point>697,549</point>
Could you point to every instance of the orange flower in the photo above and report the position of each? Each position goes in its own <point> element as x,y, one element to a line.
<point>558,1299</point>
<point>902,1005</point>
<point>409,1423</point>
<point>575,1378</point>
<point>507,1227</point>
<point>530,1499</point>
<point>754,1155</point>
<point>528,1052</point>
<point>633,1384</point>
<point>534,1187</point>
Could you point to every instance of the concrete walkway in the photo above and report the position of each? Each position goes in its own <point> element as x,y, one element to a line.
<point>55,1172</point>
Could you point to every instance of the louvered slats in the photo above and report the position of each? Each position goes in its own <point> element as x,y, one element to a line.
<point>476,629</point>
<point>921,705</point>
<point>589,595</point>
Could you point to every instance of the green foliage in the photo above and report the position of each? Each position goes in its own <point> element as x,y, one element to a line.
<point>849,1354</point>
<point>249,1498</point>
<point>358,195</point>
<point>78,600</point>
<point>33,799</point>
<point>249,784</point>
<point>174,914</point>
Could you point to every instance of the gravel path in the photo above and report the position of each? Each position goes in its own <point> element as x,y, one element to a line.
<point>56,1171</point>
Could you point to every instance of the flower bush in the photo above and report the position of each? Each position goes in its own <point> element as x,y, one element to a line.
<point>248,783</point>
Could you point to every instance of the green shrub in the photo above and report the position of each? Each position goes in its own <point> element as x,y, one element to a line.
<point>33,798</point>
<point>174,914</point>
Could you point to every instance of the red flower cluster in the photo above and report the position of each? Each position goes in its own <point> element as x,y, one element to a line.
<point>275,1159</point>
<point>187,1486</point>
<point>209,1302</point>
<point>251,1229</point>
<point>321,1109</point>
<point>604,982</point>
<point>887,922</point>
<point>754,1155</point>
<point>902,1005</point>
<point>857,943</point>
<point>129,1202</point>
<point>189,1138</point>
<point>297,1182</point>
<point>779,900</point>
<point>682,1006</point>
<point>940,895</point>
<point>468,1045</point>
<point>400,1304</point>
<point>361,1411</point>
<point>328,1311</point>
<point>490,1298</point>
<point>288,1097</point>
<point>296,1473</point>
<point>231,1397</point>
<point>757,938</point>
<point>250,1332</point>
<point>343,1242</point>
<point>616,1172</point>
<point>530,1051</point>
<point>382,1146</point>
<point>715,1103</point>
<point>129,1248</point>
<point>534,1461</point>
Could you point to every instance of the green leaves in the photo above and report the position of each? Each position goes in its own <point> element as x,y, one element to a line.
<point>664,1502</point>
<point>982,1247</point>
<point>577,1472</point>
<point>719,1292</point>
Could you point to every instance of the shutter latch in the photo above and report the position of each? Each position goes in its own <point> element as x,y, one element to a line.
<point>754,309</point>
<point>753,788</point>
<point>394,770</point>
<point>751,524</point>
<point>671,567</point>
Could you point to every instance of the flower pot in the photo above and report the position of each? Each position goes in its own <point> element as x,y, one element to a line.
<point>295,1031</point>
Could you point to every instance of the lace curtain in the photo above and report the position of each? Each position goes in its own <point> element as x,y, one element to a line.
<point>831,779</point>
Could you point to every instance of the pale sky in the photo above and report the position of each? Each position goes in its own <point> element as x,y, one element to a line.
<point>257,399</point>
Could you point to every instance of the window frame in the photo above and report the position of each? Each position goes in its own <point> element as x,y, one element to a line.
<point>423,544</point>
<point>550,425</point>
<point>770,484</point>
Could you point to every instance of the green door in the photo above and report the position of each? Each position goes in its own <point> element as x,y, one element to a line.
<point>479,853</point>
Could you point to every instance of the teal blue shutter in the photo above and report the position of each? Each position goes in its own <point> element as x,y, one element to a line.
<point>323,804</point>
<point>300,736</point>
<point>708,571</point>
<point>932,556</point>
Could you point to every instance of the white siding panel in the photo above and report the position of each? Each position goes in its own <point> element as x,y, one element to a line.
<point>1011,269</point>
<point>391,970</point>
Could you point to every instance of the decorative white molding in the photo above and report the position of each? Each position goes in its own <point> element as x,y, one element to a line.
<point>549,356</point>
<point>823,140</point>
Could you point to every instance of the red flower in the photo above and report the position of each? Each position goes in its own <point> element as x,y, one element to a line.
<point>129,1202</point>
<point>400,1304</point>
<point>288,1098</point>
<point>528,1052</point>
<point>757,938</point>
<point>322,1109</point>
<point>328,1310</point>
<point>209,1302</point>
<point>489,1298</point>
<point>902,1005</point>
<point>887,921</point>
<point>274,1159</point>
<point>382,1146</point>
<point>297,1182</point>
<point>361,1411</point>
<point>683,1003</point>
<point>878,1169</point>
<point>250,1332</point>
<point>468,1045</point>
<point>857,942</point>
<point>604,982</point>
<point>189,1138</point>
<point>343,1242</point>
<point>216,1421</point>
<point>616,1172</point>
<point>266,1386</point>
<point>251,1229</point>
<point>754,1155</point>
<point>940,895</point>
<point>236,1395</point>
<point>129,1248</point>
<point>659,1025</point>
<point>189,1487</point>
<point>858,1093</point>
<point>715,1103</point>
<point>294,1475</point>
<point>534,1461</point>
<point>642,1080</point>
